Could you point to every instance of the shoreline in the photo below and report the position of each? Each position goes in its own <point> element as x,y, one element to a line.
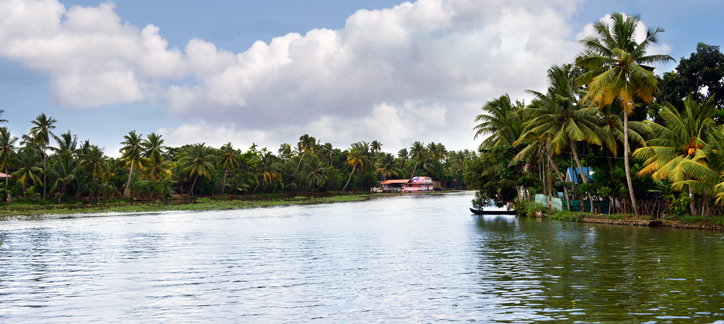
<point>653,223</point>
<point>32,211</point>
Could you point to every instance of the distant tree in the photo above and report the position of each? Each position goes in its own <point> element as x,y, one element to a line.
<point>197,161</point>
<point>40,132</point>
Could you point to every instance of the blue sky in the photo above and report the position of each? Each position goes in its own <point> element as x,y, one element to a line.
<point>342,71</point>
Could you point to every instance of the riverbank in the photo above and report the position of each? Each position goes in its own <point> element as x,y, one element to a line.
<point>691,222</point>
<point>12,211</point>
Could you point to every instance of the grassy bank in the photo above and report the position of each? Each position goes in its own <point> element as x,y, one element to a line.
<point>531,209</point>
<point>204,203</point>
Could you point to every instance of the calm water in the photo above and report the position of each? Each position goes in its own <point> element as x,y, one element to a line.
<point>405,259</point>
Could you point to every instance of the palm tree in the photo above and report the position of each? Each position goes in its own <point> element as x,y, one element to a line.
<point>67,143</point>
<point>197,161</point>
<point>357,158</point>
<point>385,166</point>
<point>268,169</point>
<point>7,151</point>
<point>228,159</point>
<point>418,153</point>
<point>2,111</point>
<point>327,152</point>
<point>618,71</point>
<point>94,161</point>
<point>403,155</point>
<point>41,133</point>
<point>28,169</point>
<point>556,116</point>
<point>153,150</point>
<point>131,153</point>
<point>686,137</point>
<point>306,144</point>
<point>315,172</point>
<point>376,146</point>
<point>501,119</point>
<point>64,171</point>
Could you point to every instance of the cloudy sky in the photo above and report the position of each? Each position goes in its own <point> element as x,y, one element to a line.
<point>266,72</point>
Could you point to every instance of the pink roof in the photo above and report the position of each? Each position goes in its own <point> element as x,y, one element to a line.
<point>395,181</point>
<point>3,175</point>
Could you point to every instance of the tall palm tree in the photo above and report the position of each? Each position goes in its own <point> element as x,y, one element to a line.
<point>403,154</point>
<point>386,166</point>
<point>7,151</point>
<point>619,71</point>
<point>357,158</point>
<point>502,120</point>
<point>376,147</point>
<point>306,144</point>
<point>28,169</point>
<point>228,159</point>
<point>557,116</point>
<point>268,168</point>
<point>2,111</point>
<point>327,152</point>
<point>315,172</point>
<point>64,171</point>
<point>132,153</point>
<point>685,148</point>
<point>41,131</point>
<point>197,161</point>
<point>153,149</point>
<point>93,161</point>
<point>418,153</point>
<point>67,143</point>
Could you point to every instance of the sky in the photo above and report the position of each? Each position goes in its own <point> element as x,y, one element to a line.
<point>267,72</point>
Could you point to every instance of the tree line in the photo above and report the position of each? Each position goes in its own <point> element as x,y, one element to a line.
<point>43,165</point>
<point>655,144</point>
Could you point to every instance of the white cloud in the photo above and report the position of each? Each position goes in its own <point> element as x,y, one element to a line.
<point>418,71</point>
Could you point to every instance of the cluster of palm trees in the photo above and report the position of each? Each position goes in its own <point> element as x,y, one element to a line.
<point>587,108</point>
<point>43,165</point>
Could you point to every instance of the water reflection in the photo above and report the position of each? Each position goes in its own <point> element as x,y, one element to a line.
<point>571,271</point>
<point>416,258</point>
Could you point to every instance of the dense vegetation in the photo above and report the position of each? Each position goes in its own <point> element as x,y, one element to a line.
<point>45,166</point>
<point>655,144</point>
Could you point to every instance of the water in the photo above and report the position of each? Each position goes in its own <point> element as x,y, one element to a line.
<point>418,258</point>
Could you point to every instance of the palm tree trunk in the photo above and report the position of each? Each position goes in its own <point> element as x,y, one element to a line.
<point>127,192</point>
<point>413,171</point>
<point>8,199</point>
<point>626,164</point>
<point>583,176</point>
<point>224,187</point>
<point>191,192</point>
<point>44,176</point>
<point>561,178</point>
<point>300,160</point>
<point>350,177</point>
<point>692,201</point>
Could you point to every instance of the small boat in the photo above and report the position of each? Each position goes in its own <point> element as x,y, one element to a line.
<point>493,212</point>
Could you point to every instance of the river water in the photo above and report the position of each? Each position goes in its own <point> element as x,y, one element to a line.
<point>406,259</point>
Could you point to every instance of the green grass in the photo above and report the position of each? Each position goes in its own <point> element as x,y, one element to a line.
<point>194,204</point>
<point>567,216</point>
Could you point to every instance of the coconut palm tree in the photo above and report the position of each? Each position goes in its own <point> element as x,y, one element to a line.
<point>64,171</point>
<point>306,144</point>
<point>7,151</point>
<point>2,111</point>
<point>619,71</point>
<point>357,158</point>
<point>685,148</point>
<point>132,151</point>
<point>40,132</point>
<point>28,169</point>
<point>557,117</point>
<point>197,161</point>
<point>502,120</point>
<point>268,168</point>
<point>228,159</point>
<point>376,147</point>
<point>67,143</point>
<point>153,149</point>
<point>94,161</point>
<point>386,166</point>
<point>418,153</point>
<point>315,172</point>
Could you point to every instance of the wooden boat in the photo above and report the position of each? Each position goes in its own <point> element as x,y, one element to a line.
<point>493,212</point>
